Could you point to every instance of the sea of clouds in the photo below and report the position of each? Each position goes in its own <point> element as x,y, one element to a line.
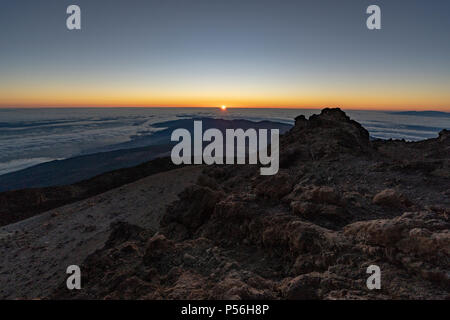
<point>33,136</point>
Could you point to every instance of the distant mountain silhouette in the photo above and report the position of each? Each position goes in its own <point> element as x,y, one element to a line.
<point>423,113</point>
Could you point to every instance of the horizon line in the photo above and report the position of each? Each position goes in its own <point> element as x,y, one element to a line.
<point>228,108</point>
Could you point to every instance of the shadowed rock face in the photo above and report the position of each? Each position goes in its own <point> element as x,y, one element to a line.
<point>328,135</point>
<point>339,204</point>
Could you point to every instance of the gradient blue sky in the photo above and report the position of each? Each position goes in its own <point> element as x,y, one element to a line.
<point>246,53</point>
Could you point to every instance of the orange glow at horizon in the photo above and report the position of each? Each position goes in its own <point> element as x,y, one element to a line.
<point>306,104</point>
<point>362,106</point>
<point>308,98</point>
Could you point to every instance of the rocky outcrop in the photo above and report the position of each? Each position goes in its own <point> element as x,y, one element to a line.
<point>325,136</point>
<point>339,204</point>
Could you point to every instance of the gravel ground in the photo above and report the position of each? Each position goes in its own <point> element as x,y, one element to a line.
<point>36,252</point>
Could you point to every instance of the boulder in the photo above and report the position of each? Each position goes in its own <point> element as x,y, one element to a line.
<point>391,198</point>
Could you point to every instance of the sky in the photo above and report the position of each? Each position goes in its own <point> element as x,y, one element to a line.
<point>239,53</point>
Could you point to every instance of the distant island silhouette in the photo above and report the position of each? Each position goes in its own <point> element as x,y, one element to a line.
<point>423,113</point>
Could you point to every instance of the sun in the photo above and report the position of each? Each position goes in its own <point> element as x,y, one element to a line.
<point>223,108</point>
